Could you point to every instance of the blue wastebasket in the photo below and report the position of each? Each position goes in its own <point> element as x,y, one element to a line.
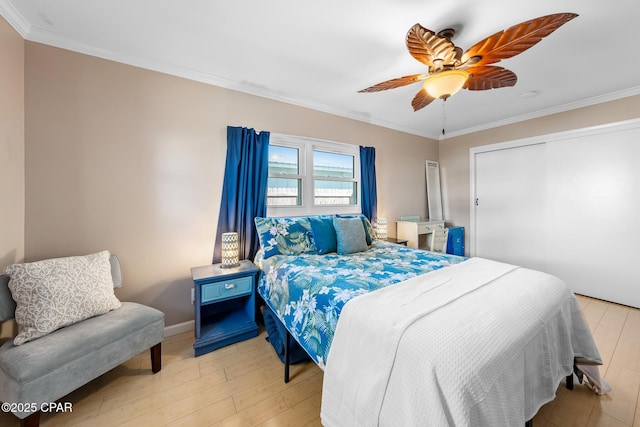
<point>455,242</point>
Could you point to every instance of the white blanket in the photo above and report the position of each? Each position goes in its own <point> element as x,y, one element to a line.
<point>479,343</point>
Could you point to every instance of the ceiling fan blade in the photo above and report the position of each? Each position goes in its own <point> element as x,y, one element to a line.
<point>516,39</point>
<point>421,100</point>
<point>430,48</point>
<point>394,83</point>
<point>489,77</point>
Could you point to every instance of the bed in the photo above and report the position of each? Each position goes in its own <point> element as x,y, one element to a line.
<point>411,337</point>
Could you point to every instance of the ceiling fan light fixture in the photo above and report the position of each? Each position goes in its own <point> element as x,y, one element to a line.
<point>450,68</point>
<point>445,83</point>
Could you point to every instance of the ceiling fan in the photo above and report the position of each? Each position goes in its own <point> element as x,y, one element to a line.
<point>451,70</point>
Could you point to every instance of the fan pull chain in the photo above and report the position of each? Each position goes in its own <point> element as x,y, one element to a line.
<point>444,120</point>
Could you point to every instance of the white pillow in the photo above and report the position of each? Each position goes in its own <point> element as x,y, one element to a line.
<point>54,293</point>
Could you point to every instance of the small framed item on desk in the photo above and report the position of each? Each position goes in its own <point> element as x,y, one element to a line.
<point>224,305</point>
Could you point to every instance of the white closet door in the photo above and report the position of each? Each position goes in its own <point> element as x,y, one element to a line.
<point>568,206</point>
<point>510,204</point>
<point>594,204</point>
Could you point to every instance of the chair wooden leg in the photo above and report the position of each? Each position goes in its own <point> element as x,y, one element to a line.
<point>156,358</point>
<point>32,420</point>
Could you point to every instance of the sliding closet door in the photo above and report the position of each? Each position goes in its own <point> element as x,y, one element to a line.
<point>509,198</point>
<point>566,204</point>
<point>594,205</point>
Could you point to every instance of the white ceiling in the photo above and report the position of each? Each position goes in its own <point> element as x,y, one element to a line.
<point>319,54</point>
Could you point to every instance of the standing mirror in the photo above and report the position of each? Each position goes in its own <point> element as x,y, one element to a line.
<point>434,197</point>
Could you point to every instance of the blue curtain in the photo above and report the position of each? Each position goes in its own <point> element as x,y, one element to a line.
<point>244,190</point>
<point>369,200</point>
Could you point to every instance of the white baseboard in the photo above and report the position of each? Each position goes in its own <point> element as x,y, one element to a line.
<point>179,328</point>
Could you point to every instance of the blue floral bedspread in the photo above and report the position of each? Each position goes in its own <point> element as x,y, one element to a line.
<point>307,291</point>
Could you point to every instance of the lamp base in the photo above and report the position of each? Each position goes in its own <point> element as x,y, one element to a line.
<point>230,265</point>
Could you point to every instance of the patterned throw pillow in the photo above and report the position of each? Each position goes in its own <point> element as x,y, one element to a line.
<point>370,232</point>
<point>286,236</point>
<point>54,293</point>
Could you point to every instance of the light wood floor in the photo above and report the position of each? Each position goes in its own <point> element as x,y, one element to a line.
<point>241,385</point>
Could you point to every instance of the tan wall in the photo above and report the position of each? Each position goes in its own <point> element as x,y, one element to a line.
<point>130,160</point>
<point>454,153</point>
<point>12,184</point>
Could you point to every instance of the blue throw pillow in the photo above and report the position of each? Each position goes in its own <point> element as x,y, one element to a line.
<point>286,236</point>
<point>324,233</point>
<point>350,235</point>
<point>370,233</point>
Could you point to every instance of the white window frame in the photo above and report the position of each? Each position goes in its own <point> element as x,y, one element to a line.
<point>306,147</point>
<point>302,168</point>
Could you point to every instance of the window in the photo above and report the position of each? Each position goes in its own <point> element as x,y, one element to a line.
<point>332,186</point>
<point>334,181</point>
<point>285,180</point>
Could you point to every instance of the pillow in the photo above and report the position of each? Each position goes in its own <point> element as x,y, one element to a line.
<point>286,236</point>
<point>350,235</point>
<point>324,233</point>
<point>54,293</point>
<point>370,233</point>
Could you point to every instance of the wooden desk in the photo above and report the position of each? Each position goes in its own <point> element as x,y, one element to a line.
<point>416,232</point>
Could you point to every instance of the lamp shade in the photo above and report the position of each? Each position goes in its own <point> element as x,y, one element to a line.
<point>445,83</point>
<point>230,249</point>
<point>381,228</point>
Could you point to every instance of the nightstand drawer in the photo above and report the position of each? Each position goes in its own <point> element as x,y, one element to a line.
<point>223,290</point>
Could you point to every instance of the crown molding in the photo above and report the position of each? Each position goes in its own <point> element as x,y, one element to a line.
<point>49,38</point>
<point>14,18</point>
<point>548,111</point>
<point>40,35</point>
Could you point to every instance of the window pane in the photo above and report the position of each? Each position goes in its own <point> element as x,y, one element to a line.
<point>283,160</point>
<point>284,192</point>
<point>335,192</point>
<point>332,165</point>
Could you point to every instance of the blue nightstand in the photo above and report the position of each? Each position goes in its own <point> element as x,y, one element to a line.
<point>224,305</point>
